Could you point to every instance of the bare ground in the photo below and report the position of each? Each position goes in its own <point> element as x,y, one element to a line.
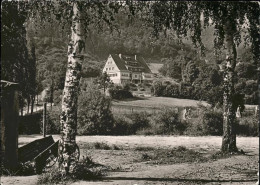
<point>140,160</point>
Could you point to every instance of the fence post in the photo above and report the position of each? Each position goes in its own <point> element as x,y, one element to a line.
<point>44,120</point>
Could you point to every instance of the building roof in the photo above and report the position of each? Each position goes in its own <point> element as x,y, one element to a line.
<point>130,60</point>
<point>120,64</point>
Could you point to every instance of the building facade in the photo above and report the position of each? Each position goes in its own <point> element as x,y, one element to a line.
<point>127,69</point>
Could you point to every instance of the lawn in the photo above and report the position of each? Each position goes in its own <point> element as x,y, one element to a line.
<point>160,102</point>
<point>152,104</point>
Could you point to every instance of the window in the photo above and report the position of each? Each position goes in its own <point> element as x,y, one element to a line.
<point>112,68</point>
<point>106,69</point>
<point>135,76</point>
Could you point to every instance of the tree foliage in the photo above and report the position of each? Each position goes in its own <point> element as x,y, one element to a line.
<point>104,81</point>
<point>94,116</point>
<point>17,51</point>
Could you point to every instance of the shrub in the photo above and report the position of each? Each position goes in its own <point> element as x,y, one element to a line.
<point>167,122</point>
<point>130,124</point>
<point>208,123</point>
<point>101,145</point>
<point>172,90</point>
<point>139,121</point>
<point>85,169</point>
<point>248,126</point>
<point>94,113</point>
<point>157,88</point>
<point>122,125</point>
<point>119,93</point>
<point>126,87</point>
<point>186,91</point>
<point>213,123</point>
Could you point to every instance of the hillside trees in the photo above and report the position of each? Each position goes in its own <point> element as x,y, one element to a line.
<point>17,54</point>
<point>228,19</point>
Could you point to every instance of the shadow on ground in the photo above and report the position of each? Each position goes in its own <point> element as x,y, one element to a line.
<point>174,179</point>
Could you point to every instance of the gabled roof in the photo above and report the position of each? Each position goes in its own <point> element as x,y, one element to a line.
<point>121,64</point>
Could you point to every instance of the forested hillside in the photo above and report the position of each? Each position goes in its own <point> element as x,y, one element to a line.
<point>181,60</point>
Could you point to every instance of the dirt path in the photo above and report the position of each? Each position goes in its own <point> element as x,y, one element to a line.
<point>250,144</point>
<point>239,169</point>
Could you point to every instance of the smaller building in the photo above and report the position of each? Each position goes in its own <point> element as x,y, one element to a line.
<point>127,68</point>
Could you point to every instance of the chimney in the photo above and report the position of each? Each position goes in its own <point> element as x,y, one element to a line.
<point>135,57</point>
<point>120,55</point>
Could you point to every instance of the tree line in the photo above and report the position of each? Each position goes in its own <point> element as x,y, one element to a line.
<point>202,79</point>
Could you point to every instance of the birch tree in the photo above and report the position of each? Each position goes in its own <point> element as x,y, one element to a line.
<point>79,17</point>
<point>234,22</point>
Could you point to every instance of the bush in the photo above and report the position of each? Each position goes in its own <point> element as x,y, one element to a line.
<point>102,145</point>
<point>94,113</point>
<point>208,123</point>
<point>122,126</point>
<point>130,124</point>
<point>139,121</point>
<point>172,90</point>
<point>157,88</point>
<point>167,122</point>
<point>248,126</point>
<point>85,169</point>
<point>213,123</point>
<point>186,91</point>
<point>119,93</point>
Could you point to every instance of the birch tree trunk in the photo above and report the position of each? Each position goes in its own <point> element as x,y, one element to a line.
<point>229,134</point>
<point>68,118</point>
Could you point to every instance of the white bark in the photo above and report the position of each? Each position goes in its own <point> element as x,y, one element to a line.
<point>68,119</point>
<point>229,135</point>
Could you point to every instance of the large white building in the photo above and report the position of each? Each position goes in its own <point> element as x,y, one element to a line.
<point>127,68</point>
